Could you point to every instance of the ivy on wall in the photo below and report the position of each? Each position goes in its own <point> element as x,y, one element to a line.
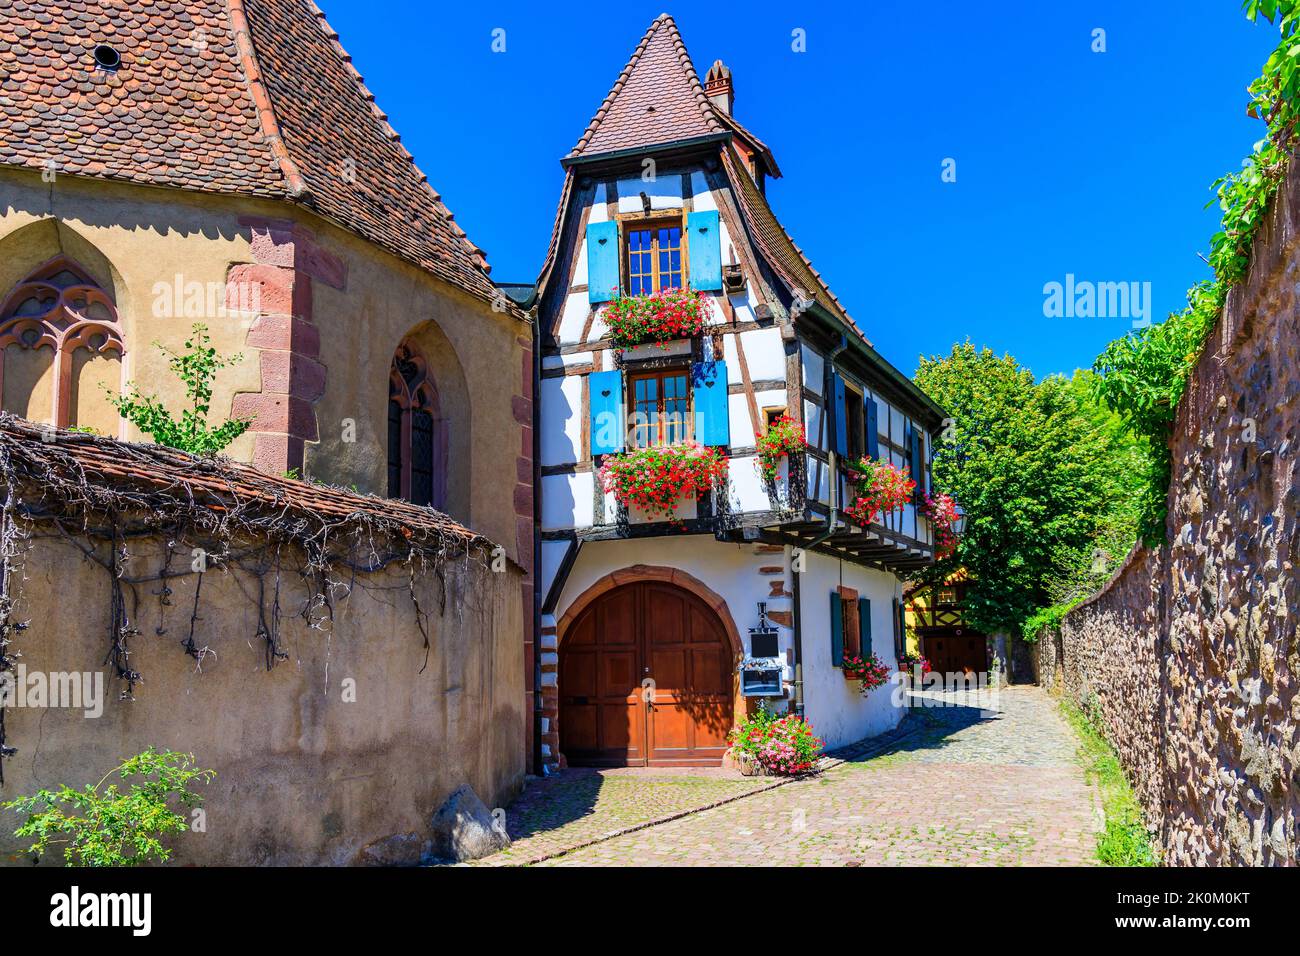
<point>1142,376</point>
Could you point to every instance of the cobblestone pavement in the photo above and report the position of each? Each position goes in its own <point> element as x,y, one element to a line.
<point>970,788</point>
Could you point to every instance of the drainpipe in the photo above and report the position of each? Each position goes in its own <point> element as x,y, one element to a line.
<point>539,761</point>
<point>832,523</point>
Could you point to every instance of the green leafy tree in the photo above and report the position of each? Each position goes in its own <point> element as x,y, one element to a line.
<point>1031,470</point>
<point>196,367</point>
<point>105,826</point>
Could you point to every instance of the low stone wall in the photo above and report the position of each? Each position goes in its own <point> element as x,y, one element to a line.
<point>1189,657</point>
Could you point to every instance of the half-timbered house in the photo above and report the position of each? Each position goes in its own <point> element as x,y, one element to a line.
<point>656,634</point>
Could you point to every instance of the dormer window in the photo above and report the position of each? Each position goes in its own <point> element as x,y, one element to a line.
<point>654,255</point>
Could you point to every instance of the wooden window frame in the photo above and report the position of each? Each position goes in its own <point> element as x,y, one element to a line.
<point>659,374</point>
<point>629,222</point>
<point>855,438</point>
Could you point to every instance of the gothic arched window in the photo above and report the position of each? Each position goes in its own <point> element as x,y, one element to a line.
<point>60,344</point>
<point>417,444</point>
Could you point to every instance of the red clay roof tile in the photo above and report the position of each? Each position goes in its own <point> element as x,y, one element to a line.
<point>252,97</point>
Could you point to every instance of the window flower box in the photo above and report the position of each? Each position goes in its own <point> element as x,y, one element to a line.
<point>655,479</point>
<point>871,671</point>
<point>784,437</point>
<point>880,488</point>
<point>941,511</point>
<point>657,318</point>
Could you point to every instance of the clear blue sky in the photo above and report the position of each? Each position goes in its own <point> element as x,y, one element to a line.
<point>1068,161</point>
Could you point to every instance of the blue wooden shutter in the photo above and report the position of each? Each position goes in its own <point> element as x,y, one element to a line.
<point>841,419</point>
<point>606,402</point>
<point>602,261</point>
<point>709,395</point>
<point>837,630</point>
<point>872,418</point>
<point>704,250</point>
<point>864,627</point>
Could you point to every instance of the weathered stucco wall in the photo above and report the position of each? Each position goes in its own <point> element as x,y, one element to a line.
<point>304,775</point>
<point>1190,656</point>
<point>357,300</point>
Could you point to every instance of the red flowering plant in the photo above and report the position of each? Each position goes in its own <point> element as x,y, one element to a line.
<point>784,436</point>
<point>659,317</point>
<point>910,663</point>
<point>656,478</point>
<point>941,511</point>
<point>880,486</point>
<point>870,670</point>
<point>785,746</point>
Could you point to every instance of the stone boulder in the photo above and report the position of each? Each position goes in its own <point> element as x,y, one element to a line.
<point>465,829</point>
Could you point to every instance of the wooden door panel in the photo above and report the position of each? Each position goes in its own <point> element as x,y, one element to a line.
<point>633,632</point>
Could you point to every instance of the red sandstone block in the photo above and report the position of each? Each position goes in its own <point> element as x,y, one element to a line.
<point>290,374</point>
<point>275,289</point>
<point>527,373</point>
<point>284,332</point>
<point>522,409</point>
<point>277,413</point>
<point>276,454</point>
<point>524,469</point>
<point>524,500</point>
<point>526,441</point>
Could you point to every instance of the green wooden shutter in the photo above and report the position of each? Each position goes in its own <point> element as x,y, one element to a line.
<point>872,418</point>
<point>709,396</point>
<point>864,627</point>
<point>837,630</point>
<point>602,261</point>
<point>918,461</point>
<point>841,419</point>
<point>606,402</point>
<point>704,250</point>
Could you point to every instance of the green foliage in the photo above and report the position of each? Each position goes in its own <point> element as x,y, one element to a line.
<point>1037,476</point>
<point>104,826</point>
<point>1142,376</point>
<point>196,367</point>
<point>1124,841</point>
<point>1047,617</point>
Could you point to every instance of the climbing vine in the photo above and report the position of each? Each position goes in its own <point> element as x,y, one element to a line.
<point>108,499</point>
<point>1142,376</point>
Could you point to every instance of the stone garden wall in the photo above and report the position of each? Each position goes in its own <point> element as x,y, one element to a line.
<point>1189,658</point>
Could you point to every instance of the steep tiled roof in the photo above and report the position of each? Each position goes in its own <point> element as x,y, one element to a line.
<point>656,99</point>
<point>253,97</point>
<point>778,247</point>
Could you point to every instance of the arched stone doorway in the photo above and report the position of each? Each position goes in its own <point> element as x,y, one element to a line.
<point>654,630</point>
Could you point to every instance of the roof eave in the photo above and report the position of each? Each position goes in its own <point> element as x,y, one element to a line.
<point>584,159</point>
<point>878,362</point>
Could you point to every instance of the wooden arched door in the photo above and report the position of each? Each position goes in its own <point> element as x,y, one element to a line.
<point>646,679</point>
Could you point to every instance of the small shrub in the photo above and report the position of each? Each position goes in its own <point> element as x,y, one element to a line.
<point>103,826</point>
<point>196,367</point>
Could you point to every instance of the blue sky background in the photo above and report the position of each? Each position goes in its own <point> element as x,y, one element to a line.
<point>1068,161</point>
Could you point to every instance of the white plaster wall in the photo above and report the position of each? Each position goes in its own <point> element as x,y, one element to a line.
<point>836,708</point>
<point>665,192</point>
<point>566,501</point>
<point>574,318</point>
<point>764,354</point>
<point>814,368</point>
<point>562,424</point>
<point>703,196</point>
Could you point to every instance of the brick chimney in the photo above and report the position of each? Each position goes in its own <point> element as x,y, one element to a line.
<point>717,86</point>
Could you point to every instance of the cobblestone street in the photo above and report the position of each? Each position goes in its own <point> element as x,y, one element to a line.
<point>958,788</point>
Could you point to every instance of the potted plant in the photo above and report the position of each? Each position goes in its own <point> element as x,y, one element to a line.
<point>784,437</point>
<point>780,746</point>
<point>658,317</point>
<point>655,479</point>
<point>880,487</point>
